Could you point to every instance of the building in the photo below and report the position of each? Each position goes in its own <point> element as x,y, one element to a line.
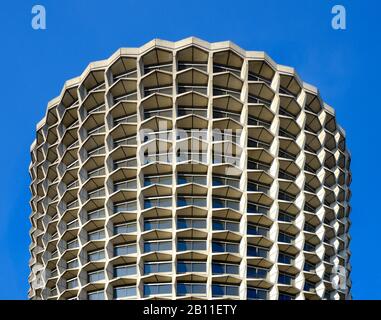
<point>187,170</point>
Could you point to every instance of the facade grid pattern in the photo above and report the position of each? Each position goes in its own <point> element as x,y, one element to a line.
<point>189,170</point>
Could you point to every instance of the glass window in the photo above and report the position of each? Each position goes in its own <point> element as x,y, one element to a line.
<point>96,255</point>
<point>285,258</point>
<point>184,267</point>
<point>96,295</point>
<point>72,264</point>
<point>157,267</point>
<point>225,247</point>
<point>222,290</point>
<point>222,268</point>
<point>190,288</point>
<point>184,245</point>
<point>125,228</point>
<point>283,237</point>
<point>157,246</point>
<point>256,273</point>
<point>256,230</point>
<point>225,225</point>
<point>285,279</point>
<point>96,214</point>
<point>257,252</point>
<point>157,224</point>
<point>96,235</point>
<point>154,289</point>
<point>256,294</point>
<point>123,292</point>
<point>184,223</point>
<point>124,249</point>
<point>285,297</point>
<point>126,270</point>
<point>95,276</point>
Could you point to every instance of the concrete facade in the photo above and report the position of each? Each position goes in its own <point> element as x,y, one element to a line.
<point>189,170</point>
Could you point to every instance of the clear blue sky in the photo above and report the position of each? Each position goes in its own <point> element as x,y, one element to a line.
<point>343,64</point>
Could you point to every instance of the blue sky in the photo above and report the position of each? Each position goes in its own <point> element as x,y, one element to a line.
<point>344,65</point>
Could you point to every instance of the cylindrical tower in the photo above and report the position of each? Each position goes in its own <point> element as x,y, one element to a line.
<point>189,169</point>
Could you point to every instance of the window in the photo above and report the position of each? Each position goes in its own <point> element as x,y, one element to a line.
<point>183,201</point>
<point>282,216</point>
<point>224,181</point>
<point>285,258</point>
<point>230,247</point>
<point>165,179</point>
<point>184,245</point>
<point>225,203</point>
<point>257,252</point>
<point>286,238</point>
<point>124,270</point>
<point>157,289</point>
<point>190,288</point>
<point>257,230</point>
<point>285,278</point>
<point>125,185</point>
<point>125,249</point>
<point>190,178</point>
<point>284,296</point>
<point>256,294</point>
<point>190,266</point>
<point>157,267</point>
<point>309,286</point>
<point>185,223</point>
<point>157,202</point>
<point>157,224</point>
<point>96,255</point>
<point>225,225</point>
<point>125,206</point>
<point>257,209</point>
<point>96,214</point>
<point>157,246</point>
<point>223,268</point>
<point>71,283</point>
<point>72,244</point>
<point>95,276</point>
<point>123,292</point>
<point>96,235</point>
<point>72,224</point>
<point>219,290</point>
<point>72,264</point>
<point>256,273</point>
<point>96,295</point>
<point>309,267</point>
<point>308,247</point>
<point>125,228</point>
